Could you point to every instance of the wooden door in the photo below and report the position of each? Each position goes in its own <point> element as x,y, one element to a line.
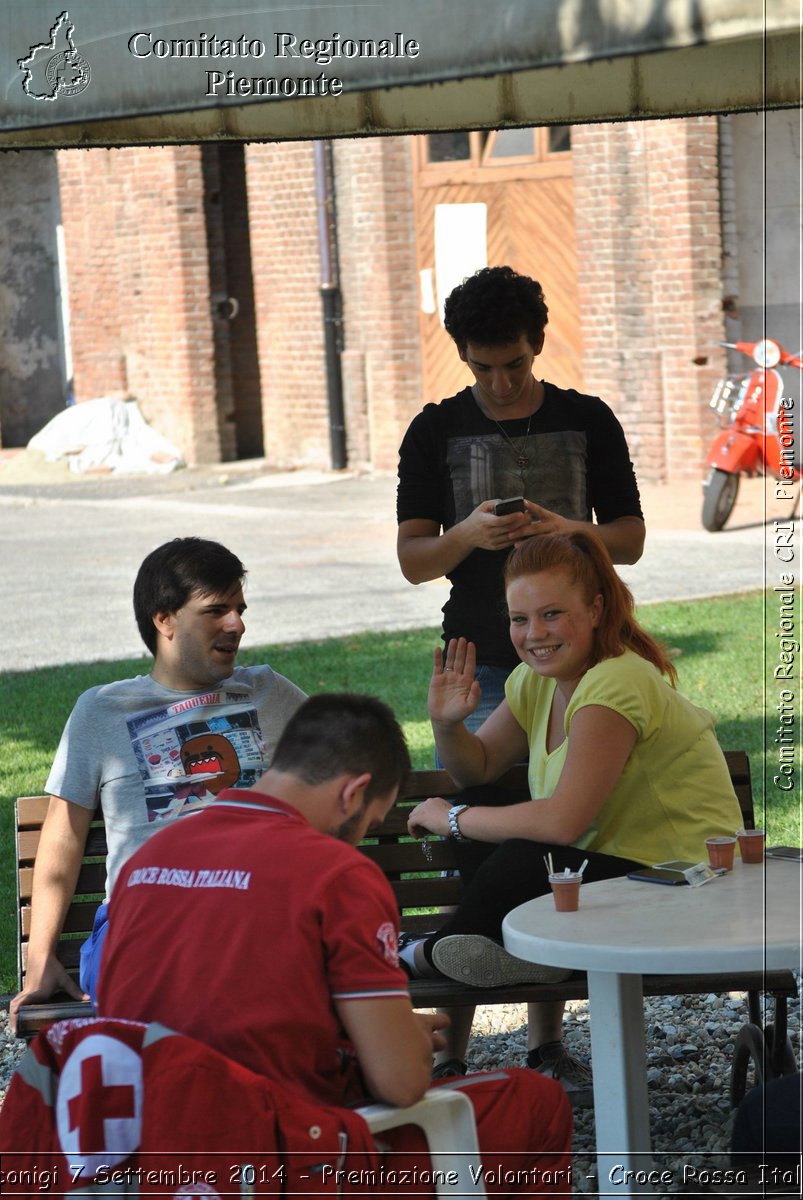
<point>529,225</point>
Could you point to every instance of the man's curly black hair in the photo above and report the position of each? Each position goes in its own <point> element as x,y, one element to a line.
<point>494,307</point>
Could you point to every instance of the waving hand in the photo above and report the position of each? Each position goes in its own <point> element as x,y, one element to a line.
<point>453,691</point>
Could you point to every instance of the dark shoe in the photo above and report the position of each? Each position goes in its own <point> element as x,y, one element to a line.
<point>480,962</point>
<point>449,1069</point>
<point>574,1076</point>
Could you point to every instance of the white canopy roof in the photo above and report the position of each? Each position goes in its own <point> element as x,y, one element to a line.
<point>121,72</point>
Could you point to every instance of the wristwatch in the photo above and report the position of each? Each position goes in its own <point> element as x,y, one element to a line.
<point>454,828</point>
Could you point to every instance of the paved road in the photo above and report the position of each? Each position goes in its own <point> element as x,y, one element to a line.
<point>320,552</point>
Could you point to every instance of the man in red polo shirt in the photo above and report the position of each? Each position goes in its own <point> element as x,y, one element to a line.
<point>256,927</point>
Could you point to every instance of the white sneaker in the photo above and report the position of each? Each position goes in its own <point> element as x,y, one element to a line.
<point>480,962</point>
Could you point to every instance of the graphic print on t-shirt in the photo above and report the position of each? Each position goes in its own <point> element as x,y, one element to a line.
<point>485,468</point>
<point>189,751</point>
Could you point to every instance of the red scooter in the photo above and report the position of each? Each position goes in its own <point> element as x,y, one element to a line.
<point>760,432</point>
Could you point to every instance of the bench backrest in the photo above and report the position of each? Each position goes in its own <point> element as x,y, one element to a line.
<point>417,882</point>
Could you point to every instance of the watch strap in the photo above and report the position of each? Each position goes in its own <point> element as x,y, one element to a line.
<point>454,828</point>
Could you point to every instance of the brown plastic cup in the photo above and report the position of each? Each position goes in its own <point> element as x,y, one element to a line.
<point>721,851</point>
<point>566,890</point>
<point>751,845</point>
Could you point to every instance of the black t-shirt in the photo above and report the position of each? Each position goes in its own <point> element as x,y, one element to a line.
<point>453,458</point>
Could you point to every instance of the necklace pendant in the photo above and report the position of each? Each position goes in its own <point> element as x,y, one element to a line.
<point>523,462</point>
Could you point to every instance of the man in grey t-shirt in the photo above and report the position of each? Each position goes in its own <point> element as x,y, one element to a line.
<point>150,748</point>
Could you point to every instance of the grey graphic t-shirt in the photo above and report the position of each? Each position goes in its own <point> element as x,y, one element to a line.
<point>147,754</point>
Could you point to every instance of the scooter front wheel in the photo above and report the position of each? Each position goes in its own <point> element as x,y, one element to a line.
<point>719,496</point>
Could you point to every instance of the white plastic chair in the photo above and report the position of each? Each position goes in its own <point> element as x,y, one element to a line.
<point>446,1117</point>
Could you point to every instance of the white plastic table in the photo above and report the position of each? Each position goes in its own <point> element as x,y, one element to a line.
<point>748,920</point>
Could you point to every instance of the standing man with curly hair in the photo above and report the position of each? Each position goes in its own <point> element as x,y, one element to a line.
<point>509,435</point>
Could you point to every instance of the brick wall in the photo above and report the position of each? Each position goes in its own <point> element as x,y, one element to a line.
<point>138,272</point>
<point>287,303</point>
<point>92,188</point>
<point>150,235</point>
<point>381,361</point>
<point>376,257</point>
<point>649,261</point>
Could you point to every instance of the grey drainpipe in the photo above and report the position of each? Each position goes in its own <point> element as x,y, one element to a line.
<point>330,298</point>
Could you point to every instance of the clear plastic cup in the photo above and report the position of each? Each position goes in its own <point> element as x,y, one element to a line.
<point>720,852</point>
<point>751,845</point>
<point>566,890</point>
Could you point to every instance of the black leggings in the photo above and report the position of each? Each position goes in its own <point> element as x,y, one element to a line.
<point>500,876</point>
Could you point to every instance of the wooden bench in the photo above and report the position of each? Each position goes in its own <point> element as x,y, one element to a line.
<point>418,883</point>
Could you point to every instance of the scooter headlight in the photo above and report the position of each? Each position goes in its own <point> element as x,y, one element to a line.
<point>767,353</point>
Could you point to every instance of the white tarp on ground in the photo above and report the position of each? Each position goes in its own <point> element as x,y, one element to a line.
<point>128,71</point>
<point>107,434</point>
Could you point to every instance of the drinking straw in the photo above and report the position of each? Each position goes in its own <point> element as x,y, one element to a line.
<point>566,871</point>
<point>551,868</point>
<point>583,866</point>
<point>546,864</point>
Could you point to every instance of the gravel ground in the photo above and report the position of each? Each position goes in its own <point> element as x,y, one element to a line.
<point>689,1047</point>
<point>690,1043</point>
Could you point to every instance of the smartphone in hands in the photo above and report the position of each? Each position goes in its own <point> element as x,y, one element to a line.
<point>513,504</point>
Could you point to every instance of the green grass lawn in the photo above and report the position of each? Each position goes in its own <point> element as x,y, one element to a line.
<point>721,666</point>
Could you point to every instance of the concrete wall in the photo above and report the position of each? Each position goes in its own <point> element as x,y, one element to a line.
<point>763,239</point>
<point>32,385</point>
<point>764,242</point>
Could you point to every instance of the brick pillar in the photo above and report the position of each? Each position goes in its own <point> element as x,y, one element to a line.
<point>382,359</point>
<point>649,266</point>
<point>137,261</point>
<point>287,301</point>
<point>687,282</point>
<point>92,190</point>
